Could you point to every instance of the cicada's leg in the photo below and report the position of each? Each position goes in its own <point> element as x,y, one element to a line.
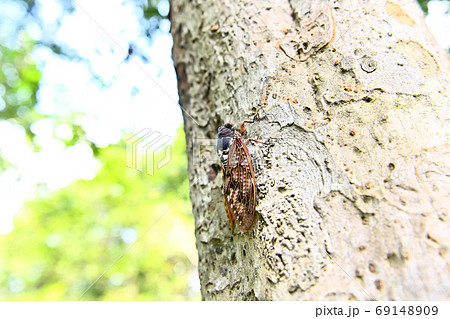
<point>250,139</point>
<point>243,125</point>
<point>256,141</point>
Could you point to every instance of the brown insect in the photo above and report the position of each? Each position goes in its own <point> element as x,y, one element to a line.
<point>239,187</point>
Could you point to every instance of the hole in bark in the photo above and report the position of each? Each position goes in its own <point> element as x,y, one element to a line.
<point>393,259</point>
<point>305,46</point>
<point>293,288</point>
<point>306,110</point>
<point>366,199</point>
<point>251,295</point>
<point>391,166</point>
<point>359,273</point>
<point>367,218</point>
<point>379,284</point>
<point>212,172</point>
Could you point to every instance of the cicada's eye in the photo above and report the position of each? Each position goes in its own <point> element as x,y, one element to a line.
<point>223,144</point>
<point>223,147</point>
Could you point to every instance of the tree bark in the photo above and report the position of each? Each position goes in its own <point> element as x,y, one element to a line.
<point>353,193</point>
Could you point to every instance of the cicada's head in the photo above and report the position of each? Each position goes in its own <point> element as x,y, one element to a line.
<point>226,130</point>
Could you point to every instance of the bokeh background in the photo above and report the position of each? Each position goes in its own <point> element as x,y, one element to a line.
<point>78,79</point>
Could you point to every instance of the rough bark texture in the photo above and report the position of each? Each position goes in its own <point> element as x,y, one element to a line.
<point>354,193</point>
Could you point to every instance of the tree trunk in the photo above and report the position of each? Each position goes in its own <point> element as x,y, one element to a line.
<point>353,195</point>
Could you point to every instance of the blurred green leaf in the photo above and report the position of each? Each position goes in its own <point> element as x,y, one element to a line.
<point>61,243</point>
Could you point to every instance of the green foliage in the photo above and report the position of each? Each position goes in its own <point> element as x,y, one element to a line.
<point>63,241</point>
<point>424,5</point>
<point>19,82</point>
<point>19,76</point>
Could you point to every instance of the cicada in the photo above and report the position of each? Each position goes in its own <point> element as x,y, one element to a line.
<point>239,188</point>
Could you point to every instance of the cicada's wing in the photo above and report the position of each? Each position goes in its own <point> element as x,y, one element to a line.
<point>226,186</point>
<point>239,186</point>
